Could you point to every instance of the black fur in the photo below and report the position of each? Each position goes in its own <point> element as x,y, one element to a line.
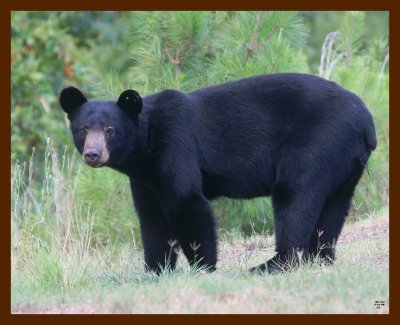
<point>301,139</point>
<point>71,98</point>
<point>130,102</point>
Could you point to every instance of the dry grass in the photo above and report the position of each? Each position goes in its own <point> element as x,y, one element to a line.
<point>352,285</point>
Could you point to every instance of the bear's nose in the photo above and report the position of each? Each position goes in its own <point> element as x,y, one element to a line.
<point>92,156</point>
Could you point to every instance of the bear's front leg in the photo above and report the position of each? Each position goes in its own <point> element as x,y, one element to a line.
<point>193,224</point>
<point>158,240</point>
<point>177,179</point>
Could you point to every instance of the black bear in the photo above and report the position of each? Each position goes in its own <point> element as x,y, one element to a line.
<point>301,139</point>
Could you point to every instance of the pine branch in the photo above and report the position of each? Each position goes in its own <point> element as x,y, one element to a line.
<point>382,70</point>
<point>275,61</point>
<point>179,57</point>
<point>252,45</point>
<point>174,60</point>
<point>328,61</point>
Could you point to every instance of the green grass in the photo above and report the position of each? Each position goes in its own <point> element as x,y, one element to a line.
<point>81,279</point>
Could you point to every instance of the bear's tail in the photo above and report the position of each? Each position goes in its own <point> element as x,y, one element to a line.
<point>370,141</point>
<point>370,137</point>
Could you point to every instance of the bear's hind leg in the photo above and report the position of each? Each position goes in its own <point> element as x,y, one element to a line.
<point>329,226</point>
<point>333,217</point>
<point>296,214</point>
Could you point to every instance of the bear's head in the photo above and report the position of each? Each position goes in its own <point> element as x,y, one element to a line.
<point>104,132</point>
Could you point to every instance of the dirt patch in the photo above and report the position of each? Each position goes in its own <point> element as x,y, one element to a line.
<point>362,232</point>
<point>65,309</point>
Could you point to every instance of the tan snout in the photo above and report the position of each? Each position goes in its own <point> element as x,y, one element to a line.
<point>95,152</point>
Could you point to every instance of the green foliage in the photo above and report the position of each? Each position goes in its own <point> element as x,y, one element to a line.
<point>41,60</point>
<point>104,53</point>
<point>245,216</point>
<point>169,49</point>
<point>253,43</point>
<point>323,22</point>
<point>187,50</point>
<point>111,200</point>
<point>49,50</point>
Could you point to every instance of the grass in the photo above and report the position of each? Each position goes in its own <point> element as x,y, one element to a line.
<point>81,279</point>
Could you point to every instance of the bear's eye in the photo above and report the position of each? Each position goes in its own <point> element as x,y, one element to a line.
<point>109,131</point>
<point>83,130</point>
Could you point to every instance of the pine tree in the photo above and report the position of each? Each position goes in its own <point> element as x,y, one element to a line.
<point>187,50</point>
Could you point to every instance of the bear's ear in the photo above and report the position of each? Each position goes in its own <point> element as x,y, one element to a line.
<point>130,102</point>
<point>71,98</point>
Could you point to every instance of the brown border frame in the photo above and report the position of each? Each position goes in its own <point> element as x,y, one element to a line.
<point>307,5</point>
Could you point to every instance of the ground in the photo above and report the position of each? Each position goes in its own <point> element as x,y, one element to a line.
<point>357,283</point>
